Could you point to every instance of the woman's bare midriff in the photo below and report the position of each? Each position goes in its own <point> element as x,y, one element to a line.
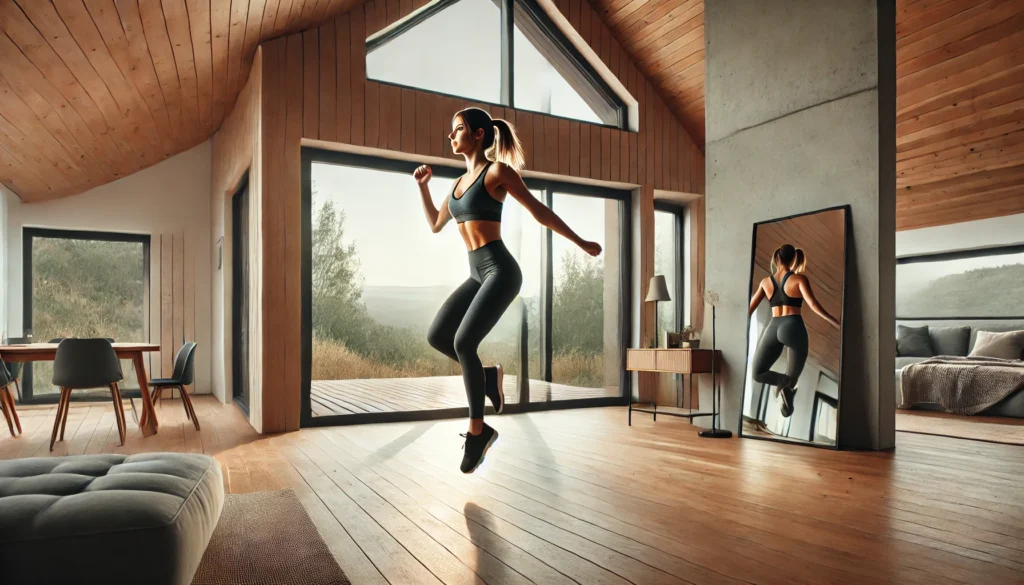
<point>785,311</point>
<point>477,233</point>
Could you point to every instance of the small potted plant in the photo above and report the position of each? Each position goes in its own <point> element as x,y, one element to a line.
<point>691,337</point>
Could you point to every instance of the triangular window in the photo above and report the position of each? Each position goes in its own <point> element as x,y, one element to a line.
<point>454,47</point>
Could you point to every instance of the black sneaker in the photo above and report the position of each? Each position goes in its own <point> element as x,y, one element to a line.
<point>787,400</point>
<point>494,380</point>
<point>476,447</point>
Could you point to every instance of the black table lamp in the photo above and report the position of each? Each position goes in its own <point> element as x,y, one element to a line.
<point>657,291</point>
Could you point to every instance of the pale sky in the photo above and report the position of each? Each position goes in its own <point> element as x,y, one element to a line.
<point>385,219</point>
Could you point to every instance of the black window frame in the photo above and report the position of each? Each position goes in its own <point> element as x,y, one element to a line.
<point>537,21</point>
<point>679,257</point>
<point>961,255</point>
<point>311,155</point>
<point>27,235</point>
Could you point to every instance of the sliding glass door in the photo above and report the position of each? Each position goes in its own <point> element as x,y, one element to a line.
<point>585,336</point>
<point>375,276</point>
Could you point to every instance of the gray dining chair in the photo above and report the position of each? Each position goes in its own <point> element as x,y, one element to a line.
<point>183,375</point>
<point>81,364</point>
<point>7,401</point>
<point>60,339</point>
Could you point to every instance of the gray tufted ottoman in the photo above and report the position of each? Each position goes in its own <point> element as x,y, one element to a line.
<point>107,518</point>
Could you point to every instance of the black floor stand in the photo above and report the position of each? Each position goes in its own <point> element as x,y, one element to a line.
<point>716,402</point>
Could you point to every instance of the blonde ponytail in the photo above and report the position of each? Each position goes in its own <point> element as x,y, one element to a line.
<point>507,147</point>
<point>800,262</point>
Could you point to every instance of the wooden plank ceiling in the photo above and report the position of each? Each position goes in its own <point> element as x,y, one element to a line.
<point>960,96</point>
<point>93,90</point>
<point>665,38</point>
<point>959,111</point>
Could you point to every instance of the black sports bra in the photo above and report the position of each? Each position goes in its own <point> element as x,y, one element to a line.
<point>779,296</point>
<point>476,202</point>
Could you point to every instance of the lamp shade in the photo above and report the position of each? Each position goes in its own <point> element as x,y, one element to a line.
<point>658,290</point>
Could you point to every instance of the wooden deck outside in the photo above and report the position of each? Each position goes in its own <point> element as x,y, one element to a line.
<point>334,397</point>
<point>576,496</point>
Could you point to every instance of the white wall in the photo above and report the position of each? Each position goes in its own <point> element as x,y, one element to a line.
<point>981,233</point>
<point>219,213</point>
<point>172,196</point>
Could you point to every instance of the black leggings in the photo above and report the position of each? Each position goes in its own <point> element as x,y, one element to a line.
<point>782,332</point>
<point>471,312</point>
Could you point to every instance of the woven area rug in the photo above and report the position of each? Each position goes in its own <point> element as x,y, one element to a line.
<point>265,538</point>
<point>993,429</point>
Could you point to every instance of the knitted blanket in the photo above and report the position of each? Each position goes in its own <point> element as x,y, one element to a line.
<point>961,384</point>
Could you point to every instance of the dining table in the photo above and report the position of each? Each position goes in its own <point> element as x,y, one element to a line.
<point>40,352</point>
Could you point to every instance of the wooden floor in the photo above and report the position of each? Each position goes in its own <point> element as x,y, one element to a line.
<point>578,497</point>
<point>334,397</point>
<point>997,429</point>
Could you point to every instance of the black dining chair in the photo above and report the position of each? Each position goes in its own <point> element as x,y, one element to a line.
<point>81,364</point>
<point>7,401</point>
<point>183,375</point>
<point>14,369</point>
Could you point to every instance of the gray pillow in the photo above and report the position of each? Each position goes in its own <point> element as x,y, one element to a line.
<point>1007,346</point>
<point>913,341</point>
<point>950,340</point>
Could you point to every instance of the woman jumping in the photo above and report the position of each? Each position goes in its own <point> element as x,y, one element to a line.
<point>785,288</point>
<point>493,156</point>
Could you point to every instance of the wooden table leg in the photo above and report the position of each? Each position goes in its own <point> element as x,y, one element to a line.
<point>147,420</point>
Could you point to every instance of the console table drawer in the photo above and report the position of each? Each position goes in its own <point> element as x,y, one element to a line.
<point>674,360</point>
<point>640,359</point>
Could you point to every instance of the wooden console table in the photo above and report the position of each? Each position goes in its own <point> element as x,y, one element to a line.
<point>685,361</point>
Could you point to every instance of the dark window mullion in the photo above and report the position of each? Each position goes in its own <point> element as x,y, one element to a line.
<point>681,277</point>
<point>507,53</point>
<point>546,293</point>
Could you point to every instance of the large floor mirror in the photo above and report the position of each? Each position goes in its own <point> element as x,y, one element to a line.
<point>794,358</point>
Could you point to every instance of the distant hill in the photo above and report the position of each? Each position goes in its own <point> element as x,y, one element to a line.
<point>995,291</point>
<point>416,306</point>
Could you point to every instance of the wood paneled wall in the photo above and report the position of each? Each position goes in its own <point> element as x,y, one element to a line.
<point>314,86</point>
<point>237,151</point>
<point>177,301</point>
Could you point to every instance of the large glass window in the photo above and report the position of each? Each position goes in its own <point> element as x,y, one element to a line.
<point>981,283</point>
<point>432,54</point>
<point>667,256</point>
<point>427,51</point>
<point>540,85</point>
<point>377,277</point>
<point>84,285</point>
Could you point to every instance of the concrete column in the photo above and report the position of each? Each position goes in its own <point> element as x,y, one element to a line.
<point>801,115</point>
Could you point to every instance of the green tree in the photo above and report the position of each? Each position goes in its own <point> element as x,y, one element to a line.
<point>337,288</point>
<point>578,306</point>
<point>86,288</point>
<point>339,313</point>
